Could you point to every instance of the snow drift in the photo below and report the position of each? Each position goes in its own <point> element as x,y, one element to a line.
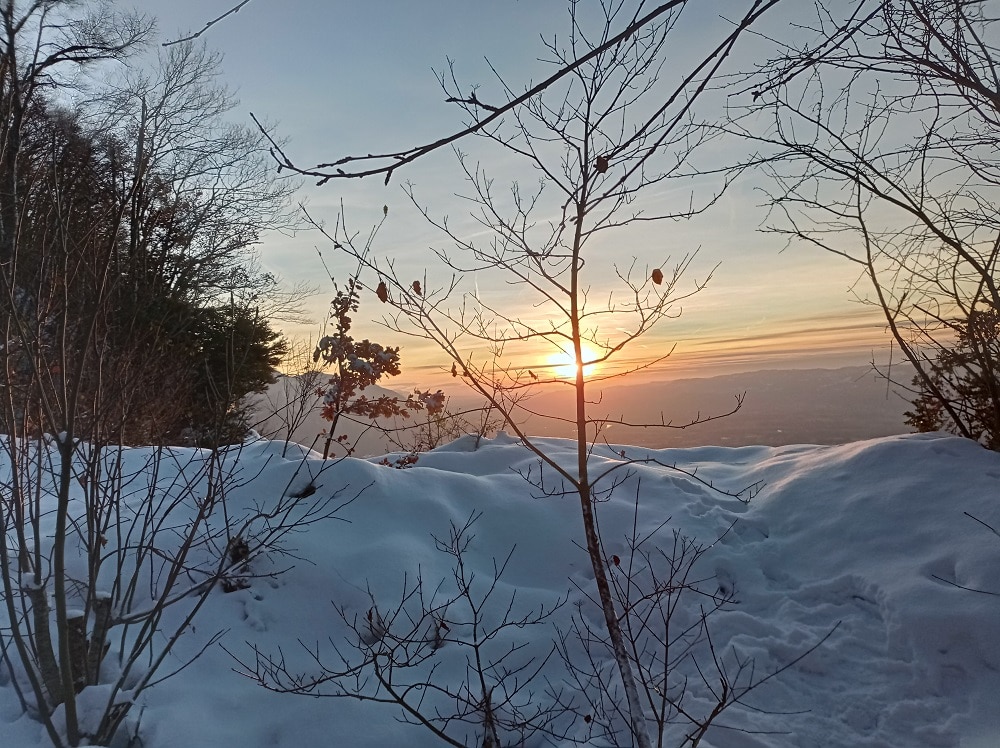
<point>874,545</point>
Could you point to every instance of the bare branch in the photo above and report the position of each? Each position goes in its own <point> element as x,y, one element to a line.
<point>209,24</point>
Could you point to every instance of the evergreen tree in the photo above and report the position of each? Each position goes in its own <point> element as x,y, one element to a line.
<point>967,376</point>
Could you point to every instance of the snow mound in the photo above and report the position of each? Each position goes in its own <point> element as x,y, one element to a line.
<point>879,546</point>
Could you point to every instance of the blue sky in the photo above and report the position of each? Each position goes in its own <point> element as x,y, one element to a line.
<point>341,77</point>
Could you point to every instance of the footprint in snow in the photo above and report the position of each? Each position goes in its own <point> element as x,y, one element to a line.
<point>876,695</point>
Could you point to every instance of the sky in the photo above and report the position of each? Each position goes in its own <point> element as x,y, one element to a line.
<point>337,78</point>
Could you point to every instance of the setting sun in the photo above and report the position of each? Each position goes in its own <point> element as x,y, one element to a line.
<point>563,364</point>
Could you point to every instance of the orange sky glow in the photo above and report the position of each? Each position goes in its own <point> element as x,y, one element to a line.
<point>768,305</point>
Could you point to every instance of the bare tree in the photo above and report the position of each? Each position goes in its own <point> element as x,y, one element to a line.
<point>883,128</point>
<point>36,44</point>
<point>97,541</point>
<point>668,604</point>
<point>486,115</point>
<point>431,429</point>
<point>195,194</point>
<point>159,532</point>
<point>393,652</point>
<point>357,365</point>
<point>616,124</point>
<point>199,190</point>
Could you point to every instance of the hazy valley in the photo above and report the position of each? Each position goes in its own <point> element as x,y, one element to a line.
<point>786,406</point>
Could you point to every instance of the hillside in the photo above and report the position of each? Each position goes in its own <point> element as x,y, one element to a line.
<point>863,551</point>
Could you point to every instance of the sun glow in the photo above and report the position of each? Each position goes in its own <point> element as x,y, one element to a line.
<point>562,365</point>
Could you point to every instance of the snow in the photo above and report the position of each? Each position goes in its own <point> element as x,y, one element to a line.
<point>868,544</point>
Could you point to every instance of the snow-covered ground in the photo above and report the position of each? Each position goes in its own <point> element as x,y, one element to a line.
<point>868,544</point>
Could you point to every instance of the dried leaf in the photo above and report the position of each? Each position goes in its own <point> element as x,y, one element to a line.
<point>454,369</point>
<point>416,287</point>
<point>602,164</point>
<point>382,292</point>
<point>657,276</point>
<point>385,210</point>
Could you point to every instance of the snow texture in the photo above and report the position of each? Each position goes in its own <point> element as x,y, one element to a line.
<point>873,536</point>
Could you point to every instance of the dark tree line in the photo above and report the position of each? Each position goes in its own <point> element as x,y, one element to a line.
<point>128,259</point>
<point>131,311</point>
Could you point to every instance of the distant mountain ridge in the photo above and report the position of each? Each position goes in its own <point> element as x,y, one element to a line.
<point>781,406</point>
